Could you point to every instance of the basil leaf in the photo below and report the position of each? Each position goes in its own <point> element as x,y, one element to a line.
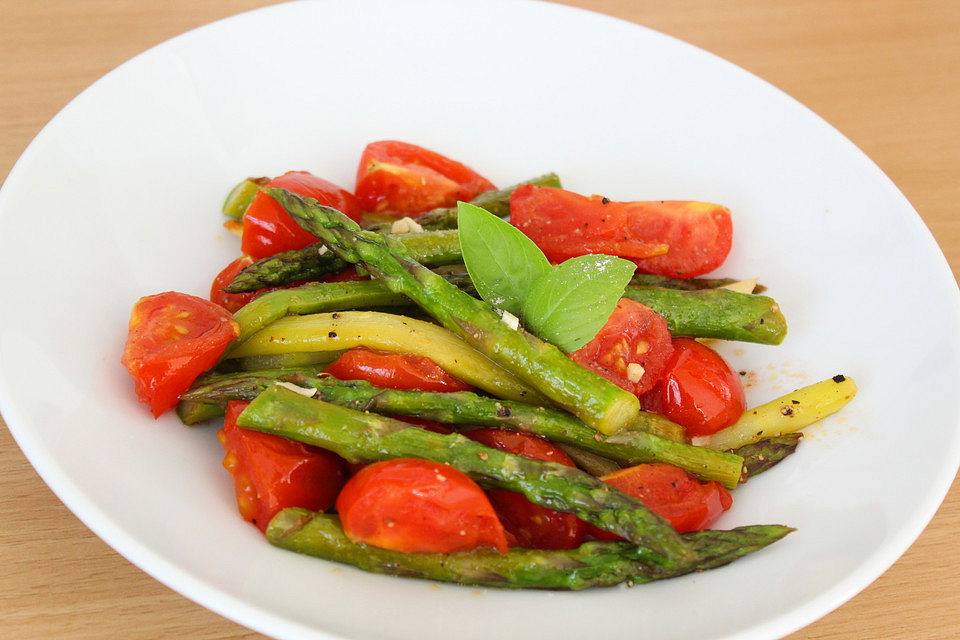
<point>502,262</point>
<point>569,304</point>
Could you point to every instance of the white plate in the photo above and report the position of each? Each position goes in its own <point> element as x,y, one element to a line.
<point>119,197</point>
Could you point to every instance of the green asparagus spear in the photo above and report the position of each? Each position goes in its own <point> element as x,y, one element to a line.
<point>765,454</point>
<point>715,313</point>
<point>595,465</point>
<point>218,389</point>
<point>594,564</point>
<point>313,297</point>
<point>280,361</point>
<point>304,264</point>
<point>628,446</point>
<point>356,435</point>
<point>317,297</point>
<point>662,428</point>
<point>596,401</point>
<point>432,248</point>
<point>496,201</point>
<point>286,267</point>
<point>456,274</point>
<point>191,412</point>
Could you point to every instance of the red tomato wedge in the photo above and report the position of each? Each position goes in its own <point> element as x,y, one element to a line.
<point>678,239</point>
<point>530,525</point>
<point>671,493</point>
<point>271,473</point>
<point>401,179</point>
<point>173,338</point>
<point>394,371</point>
<point>231,301</point>
<point>268,229</point>
<point>418,506</point>
<point>632,348</point>
<point>698,391</point>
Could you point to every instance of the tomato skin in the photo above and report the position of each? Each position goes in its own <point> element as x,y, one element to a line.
<point>231,301</point>
<point>530,525</point>
<point>521,444</point>
<point>698,390</point>
<point>401,179</point>
<point>418,506</point>
<point>271,473</point>
<point>670,492</point>
<point>634,333</point>
<point>268,229</point>
<point>394,371</point>
<point>697,236</point>
<point>173,337</point>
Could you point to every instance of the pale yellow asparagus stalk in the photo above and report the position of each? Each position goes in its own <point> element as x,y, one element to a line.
<point>386,332</point>
<point>786,414</point>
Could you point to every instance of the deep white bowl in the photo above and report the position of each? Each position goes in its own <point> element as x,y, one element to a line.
<point>119,197</point>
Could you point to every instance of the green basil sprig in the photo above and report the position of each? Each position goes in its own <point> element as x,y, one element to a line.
<point>501,261</point>
<point>566,304</point>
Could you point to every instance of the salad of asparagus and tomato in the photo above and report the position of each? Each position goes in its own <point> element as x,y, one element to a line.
<point>432,377</point>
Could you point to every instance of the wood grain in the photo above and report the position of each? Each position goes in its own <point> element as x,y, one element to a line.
<point>884,72</point>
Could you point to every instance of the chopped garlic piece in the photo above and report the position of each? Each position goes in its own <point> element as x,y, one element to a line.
<point>511,320</point>
<point>297,389</point>
<point>634,372</point>
<point>405,225</point>
<point>743,286</point>
<point>322,250</point>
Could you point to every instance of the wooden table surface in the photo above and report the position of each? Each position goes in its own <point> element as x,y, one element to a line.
<point>883,72</point>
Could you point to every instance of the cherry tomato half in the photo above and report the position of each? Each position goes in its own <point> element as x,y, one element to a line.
<point>173,338</point>
<point>271,473</point>
<point>231,301</point>
<point>698,390</point>
<point>634,334</point>
<point>394,371</point>
<point>397,178</point>
<point>418,506</point>
<point>671,493</point>
<point>530,525</point>
<point>268,229</point>
<point>678,239</point>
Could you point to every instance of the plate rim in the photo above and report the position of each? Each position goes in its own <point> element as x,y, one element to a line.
<point>254,616</point>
